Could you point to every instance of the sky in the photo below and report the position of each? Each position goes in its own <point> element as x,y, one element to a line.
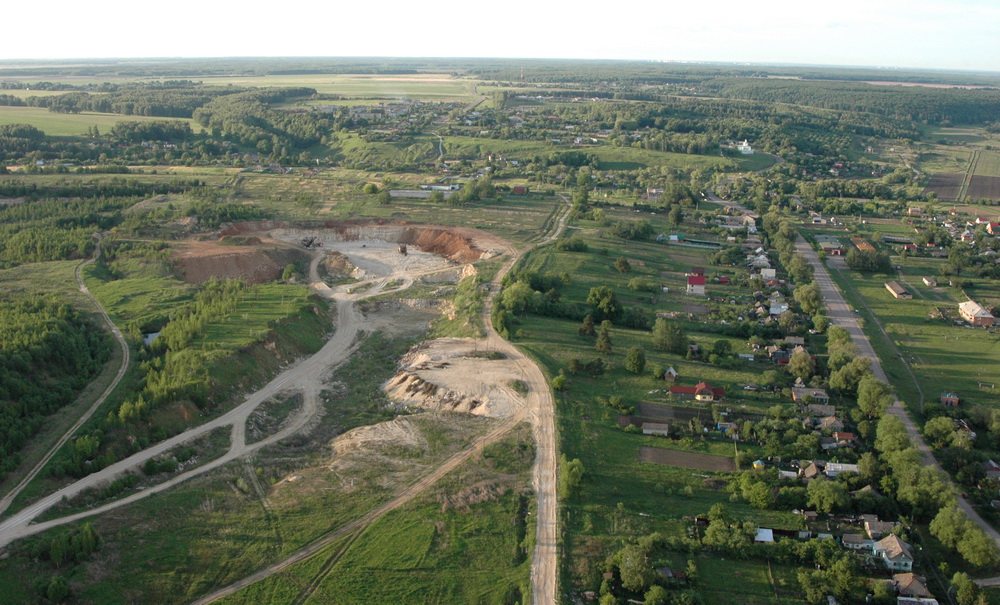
<point>939,34</point>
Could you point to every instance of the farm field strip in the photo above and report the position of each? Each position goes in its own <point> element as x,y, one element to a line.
<point>702,462</point>
<point>73,124</point>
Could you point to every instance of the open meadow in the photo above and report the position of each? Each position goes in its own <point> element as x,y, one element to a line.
<point>73,124</point>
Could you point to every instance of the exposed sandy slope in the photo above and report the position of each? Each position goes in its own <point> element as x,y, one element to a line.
<point>443,374</point>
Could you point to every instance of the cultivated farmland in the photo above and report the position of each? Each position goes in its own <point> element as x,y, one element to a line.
<point>702,462</point>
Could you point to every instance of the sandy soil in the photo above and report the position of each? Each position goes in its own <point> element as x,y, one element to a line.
<point>457,380</point>
<point>443,374</point>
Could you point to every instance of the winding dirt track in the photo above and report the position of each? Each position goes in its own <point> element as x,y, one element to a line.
<point>307,375</point>
<point>6,501</point>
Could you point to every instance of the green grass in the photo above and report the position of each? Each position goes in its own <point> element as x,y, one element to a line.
<point>146,295</point>
<point>71,124</point>
<point>421,554</point>
<point>212,530</point>
<point>515,219</point>
<point>727,581</point>
<point>988,164</point>
<point>422,87</point>
<point>944,357</point>
<point>255,315</point>
<point>57,277</point>
<point>440,548</point>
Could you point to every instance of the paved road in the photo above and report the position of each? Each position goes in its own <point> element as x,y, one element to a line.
<point>841,314</point>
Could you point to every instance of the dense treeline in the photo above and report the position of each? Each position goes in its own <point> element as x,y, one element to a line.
<point>48,352</point>
<point>156,130</point>
<point>247,119</point>
<point>923,104</point>
<point>58,222</point>
<point>110,187</point>
<point>167,103</point>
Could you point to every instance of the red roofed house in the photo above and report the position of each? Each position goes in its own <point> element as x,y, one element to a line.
<point>842,436</point>
<point>696,285</point>
<point>699,392</point>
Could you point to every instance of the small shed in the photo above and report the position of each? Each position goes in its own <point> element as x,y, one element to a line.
<point>950,399</point>
<point>764,535</point>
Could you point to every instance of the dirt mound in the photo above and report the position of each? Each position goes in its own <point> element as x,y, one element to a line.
<point>401,433</point>
<point>451,374</point>
<point>198,261</point>
<point>336,266</point>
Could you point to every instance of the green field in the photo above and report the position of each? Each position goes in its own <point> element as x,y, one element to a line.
<point>72,124</point>
<point>420,87</point>
<point>988,164</point>
<point>620,496</point>
<point>213,530</point>
<point>944,357</point>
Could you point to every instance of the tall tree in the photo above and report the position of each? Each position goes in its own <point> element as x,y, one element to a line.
<point>604,338</point>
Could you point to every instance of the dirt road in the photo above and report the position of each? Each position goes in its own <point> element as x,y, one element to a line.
<point>6,501</point>
<point>307,375</point>
<point>540,410</point>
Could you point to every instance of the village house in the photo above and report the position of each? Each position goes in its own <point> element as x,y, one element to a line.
<point>862,244</point>
<point>930,282</point>
<point>975,314</point>
<point>950,399</point>
<point>813,470</point>
<point>911,585</point>
<point>895,553</point>
<point>655,428</point>
<point>819,409</point>
<point>818,396</point>
<point>671,374</point>
<point>845,439</point>
<point>991,469</point>
<point>897,290</point>
<point>835,468</point>
<point>830,423</point>
<point>696,285</point>
<point>855,541</point>
<point>877,529</point>
<point>699,392</point>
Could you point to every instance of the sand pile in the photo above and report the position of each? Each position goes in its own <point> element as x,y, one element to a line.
<point>450,374</point>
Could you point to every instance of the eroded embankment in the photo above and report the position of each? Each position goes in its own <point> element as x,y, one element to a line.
<point>455,244</point>
<point>455,375</point>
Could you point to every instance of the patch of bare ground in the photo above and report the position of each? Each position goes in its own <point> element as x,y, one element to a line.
<point>381,457</point>
<point>253,260</point>
<point>336,267</point>
<point>402,317</point>
<point>451,374</point>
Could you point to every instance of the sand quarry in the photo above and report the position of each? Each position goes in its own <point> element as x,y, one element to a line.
<point>259,251</point>
<point>443,375</point>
